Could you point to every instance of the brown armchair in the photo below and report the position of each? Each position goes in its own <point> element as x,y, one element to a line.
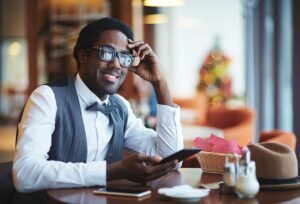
<point>237,124</point>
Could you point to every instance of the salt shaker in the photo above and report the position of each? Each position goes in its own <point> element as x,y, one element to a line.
<point>229,175</point>
<point>247,185</point>
<point>237,164</point>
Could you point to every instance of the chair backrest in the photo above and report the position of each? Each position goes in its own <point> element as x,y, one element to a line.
<point>280,136</point>
<point>225,117</point>
<point>237,124</point>
<point>6,186</point>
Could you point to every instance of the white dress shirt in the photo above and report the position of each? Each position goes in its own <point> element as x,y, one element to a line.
<point>32,171</point>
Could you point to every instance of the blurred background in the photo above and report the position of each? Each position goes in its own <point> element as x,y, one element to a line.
<point>232,65</point>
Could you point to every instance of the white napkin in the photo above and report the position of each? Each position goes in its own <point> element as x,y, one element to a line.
<point>184,191</point>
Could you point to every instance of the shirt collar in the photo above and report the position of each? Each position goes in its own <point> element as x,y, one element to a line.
<point>87,96</point>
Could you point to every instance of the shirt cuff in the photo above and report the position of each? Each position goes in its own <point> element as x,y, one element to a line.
<point>95,173</point>
<point>164,113</point>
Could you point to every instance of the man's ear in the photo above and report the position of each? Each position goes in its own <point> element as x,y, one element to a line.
<point>82,56</point>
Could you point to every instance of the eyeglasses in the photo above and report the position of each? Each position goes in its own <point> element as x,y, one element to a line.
<point>108,54</point>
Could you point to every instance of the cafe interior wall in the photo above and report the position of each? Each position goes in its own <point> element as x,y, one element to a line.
<point>13,63</point>
<point>29,37</point>
<point>190,33</point>
<point>181,45</point>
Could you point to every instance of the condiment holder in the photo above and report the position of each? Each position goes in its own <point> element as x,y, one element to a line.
<point>240,177</point>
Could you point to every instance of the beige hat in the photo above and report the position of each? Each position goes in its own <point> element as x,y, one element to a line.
<point>276,165</point>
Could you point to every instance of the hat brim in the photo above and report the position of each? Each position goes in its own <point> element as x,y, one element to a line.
<point>281,186</point>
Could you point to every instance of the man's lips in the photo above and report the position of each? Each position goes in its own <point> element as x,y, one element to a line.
<point>111,77</point>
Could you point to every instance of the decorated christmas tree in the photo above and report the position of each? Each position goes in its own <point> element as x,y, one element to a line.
<point>215,79</point>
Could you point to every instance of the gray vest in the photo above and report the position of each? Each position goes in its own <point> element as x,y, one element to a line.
<point>69,139</point>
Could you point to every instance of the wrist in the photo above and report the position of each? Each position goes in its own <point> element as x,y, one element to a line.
<point>162,92</point>
<point>159,82</point>
<point>114,171</point>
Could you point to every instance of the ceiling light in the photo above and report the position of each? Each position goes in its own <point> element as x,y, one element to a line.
<point>163,3</point>
<point>155,19</point>
<point>14,49</point>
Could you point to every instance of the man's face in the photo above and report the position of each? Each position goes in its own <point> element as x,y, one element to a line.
<point>101,77</point>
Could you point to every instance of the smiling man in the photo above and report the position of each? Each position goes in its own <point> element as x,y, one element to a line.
<point>73,132</point>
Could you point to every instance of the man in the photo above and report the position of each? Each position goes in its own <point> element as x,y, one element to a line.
<point>73,132</point>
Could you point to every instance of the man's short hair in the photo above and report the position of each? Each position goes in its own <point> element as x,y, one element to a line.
<point>91,33</point>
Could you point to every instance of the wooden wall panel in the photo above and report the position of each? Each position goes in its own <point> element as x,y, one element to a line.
<point>122,10</point>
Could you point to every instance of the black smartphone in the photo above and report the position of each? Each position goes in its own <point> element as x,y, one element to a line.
<point>180,155</point>
<point>122,192</point>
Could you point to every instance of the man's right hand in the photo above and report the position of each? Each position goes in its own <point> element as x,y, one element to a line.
<point>134,168</point>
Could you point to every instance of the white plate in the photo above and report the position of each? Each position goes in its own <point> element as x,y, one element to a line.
<point>184,197</point>
<point>184,193</point>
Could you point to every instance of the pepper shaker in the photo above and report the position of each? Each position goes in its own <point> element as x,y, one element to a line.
<point>229,175</point>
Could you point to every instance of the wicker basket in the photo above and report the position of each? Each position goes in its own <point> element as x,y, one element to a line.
<point>211,162</point>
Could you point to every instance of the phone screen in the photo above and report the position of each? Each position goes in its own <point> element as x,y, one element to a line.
<point>122,191</point>
<point>180,155</point>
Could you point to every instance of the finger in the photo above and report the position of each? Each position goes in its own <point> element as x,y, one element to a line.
<point>141,48</point>
<point>158,173</point>
<point>134,53</point>
<point>149,159</point>
<point>157,159</point>
<point>140,158</point>
<point>165,166</point>
<point>156,169</point>
<point>135,44</point>
<point>143,53</point>
<point>144,162</point>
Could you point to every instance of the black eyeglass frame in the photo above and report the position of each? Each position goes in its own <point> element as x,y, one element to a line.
<point>115,54</point>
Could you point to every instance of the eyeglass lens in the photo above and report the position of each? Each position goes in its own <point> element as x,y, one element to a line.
<point>108,54</point>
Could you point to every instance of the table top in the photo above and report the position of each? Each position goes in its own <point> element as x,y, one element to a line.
<point>190,176</point>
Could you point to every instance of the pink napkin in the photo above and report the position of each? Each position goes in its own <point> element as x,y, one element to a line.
<point>218,145</point>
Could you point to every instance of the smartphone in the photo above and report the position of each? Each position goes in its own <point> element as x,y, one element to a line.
<point>180,155</point>
<point>122,192</point>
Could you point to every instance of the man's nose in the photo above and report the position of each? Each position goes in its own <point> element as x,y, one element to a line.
<point>116,62</point>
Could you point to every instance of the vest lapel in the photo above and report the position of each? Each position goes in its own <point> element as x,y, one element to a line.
<point>116,147</point>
